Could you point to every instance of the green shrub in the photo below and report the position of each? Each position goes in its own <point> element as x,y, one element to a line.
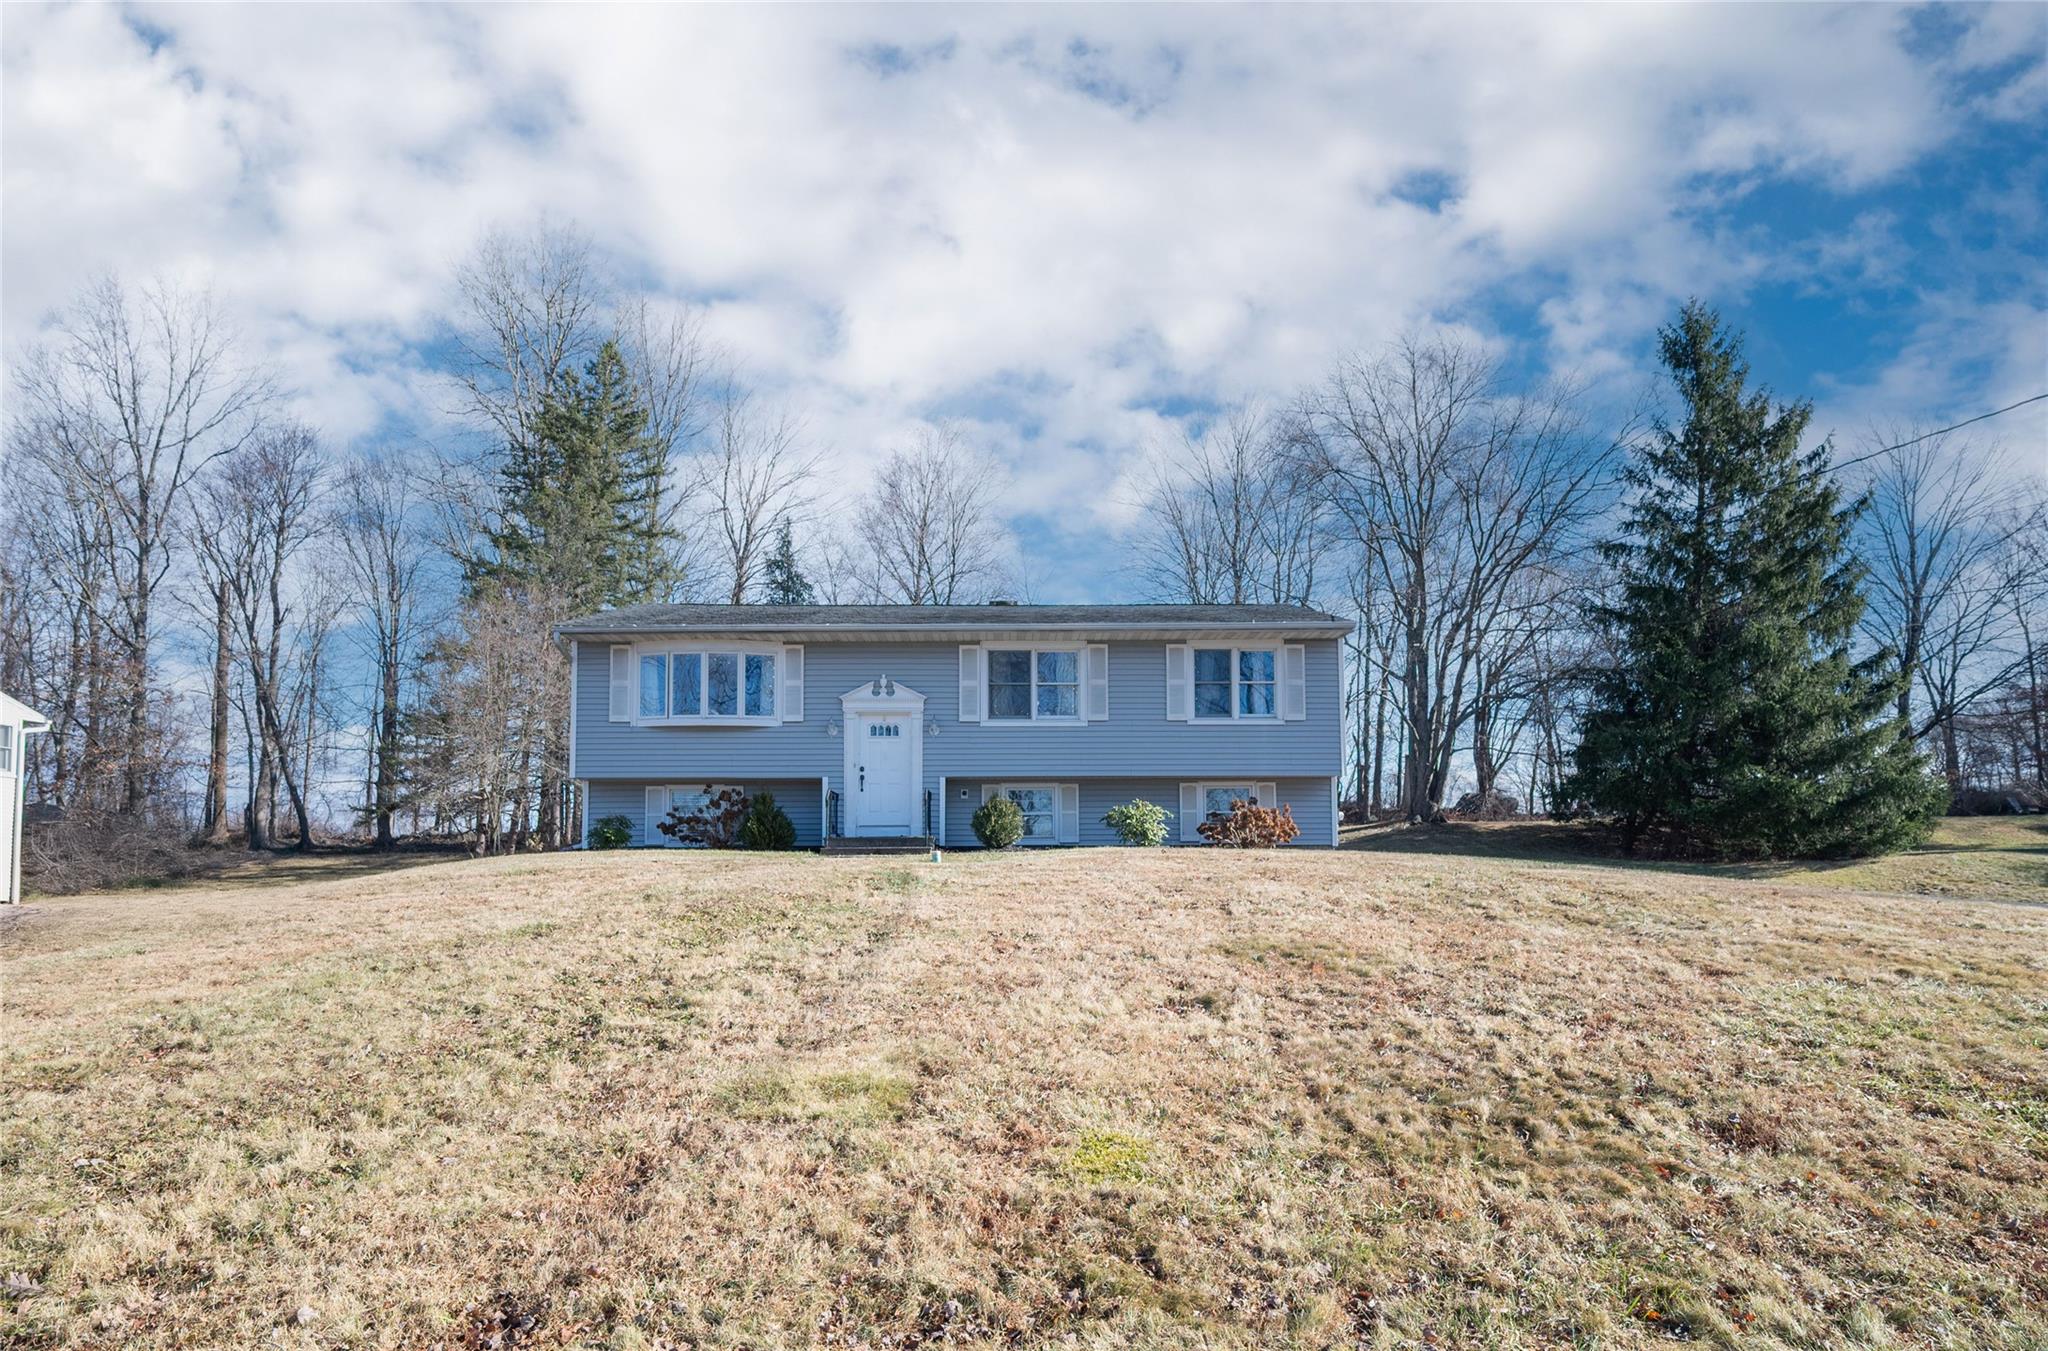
<point>611,832</point>
<point>998,823</point>
<point>1138,822</point>
<point>767,826</point>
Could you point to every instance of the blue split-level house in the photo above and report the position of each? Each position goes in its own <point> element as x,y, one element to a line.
<point>895,721</point>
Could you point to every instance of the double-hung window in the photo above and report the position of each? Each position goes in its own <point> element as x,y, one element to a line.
<point>6,748</point>
<point>1236,682</point>
<point>1028,684</point>
<point>1217,797</point>
<point>708,686</point>
<point>1039,802</point>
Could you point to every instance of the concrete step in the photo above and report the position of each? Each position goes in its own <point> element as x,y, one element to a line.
<point>879,844</point>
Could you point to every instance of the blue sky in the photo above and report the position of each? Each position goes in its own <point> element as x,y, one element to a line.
<point>1073,228</point>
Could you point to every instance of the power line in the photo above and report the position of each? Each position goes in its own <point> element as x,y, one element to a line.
<point>1939,431</point>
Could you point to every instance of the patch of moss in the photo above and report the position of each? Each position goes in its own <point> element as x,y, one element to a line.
<point>1109,1156</point>
<point>856,1096</point>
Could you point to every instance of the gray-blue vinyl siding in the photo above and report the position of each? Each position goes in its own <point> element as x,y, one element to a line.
<point>1308,798</point>
<point>802,799</point>
<point>1136,748</point>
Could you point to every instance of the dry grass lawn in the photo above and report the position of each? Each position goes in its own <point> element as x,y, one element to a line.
<point>1081,1098</point>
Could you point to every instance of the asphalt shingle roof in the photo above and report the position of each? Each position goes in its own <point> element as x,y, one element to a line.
<point>644,618</point>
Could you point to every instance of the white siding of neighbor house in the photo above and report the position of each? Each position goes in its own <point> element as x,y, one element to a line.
<point>1134,749</point>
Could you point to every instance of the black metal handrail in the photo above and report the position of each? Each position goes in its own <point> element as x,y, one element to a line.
<point>832,826</point>
<point>927,813</point>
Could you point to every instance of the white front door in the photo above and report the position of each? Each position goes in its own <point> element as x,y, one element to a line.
<point>882,772</point>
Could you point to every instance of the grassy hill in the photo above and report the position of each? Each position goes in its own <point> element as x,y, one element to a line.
<point>1135,1099</point>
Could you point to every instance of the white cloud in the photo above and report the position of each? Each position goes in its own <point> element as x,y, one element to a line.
<point>896,213</point>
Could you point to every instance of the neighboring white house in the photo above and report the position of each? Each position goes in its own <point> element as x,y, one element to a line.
<point>17,722</point>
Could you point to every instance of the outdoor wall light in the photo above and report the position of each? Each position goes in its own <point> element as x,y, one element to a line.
<point>931,727</point>
<point>832,728</point>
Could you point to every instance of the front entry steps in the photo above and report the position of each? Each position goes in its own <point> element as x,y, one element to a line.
<point>878,844</point>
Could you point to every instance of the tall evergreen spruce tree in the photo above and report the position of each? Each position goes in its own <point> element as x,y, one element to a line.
<point>1734,718</point>
<point>787,584</point>
<point>581,502</point>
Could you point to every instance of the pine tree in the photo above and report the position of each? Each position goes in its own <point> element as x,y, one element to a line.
<point>581,502</point>
<point>786,583</point>
<point>1735,718</point>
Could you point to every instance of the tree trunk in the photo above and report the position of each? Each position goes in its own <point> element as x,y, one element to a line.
<point>387,746</point>
<point>214,823</point>
<point>135,776</point>
<point>1418,805</point>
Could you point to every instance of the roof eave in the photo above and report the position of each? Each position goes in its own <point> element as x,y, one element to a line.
<point>1272,628</point>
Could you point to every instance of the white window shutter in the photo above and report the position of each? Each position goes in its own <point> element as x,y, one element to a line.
<point>1293,683</point>
<point>970,682</point>
<point>1179,694</point>
<point>1070,813</point>
<point>622,685</point>
<point>657,809</point>
<point>793,684</point>
<point>1190,810</point>
<point>1268,794</point>
<point>1098,682</point>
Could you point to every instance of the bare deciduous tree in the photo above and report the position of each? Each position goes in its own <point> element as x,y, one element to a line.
<point>117,416</point>
<point>533,311</point>
<point>262,507</point>
<point>1232,518</point>
<point>380,530</point>
<point>926,531</point>
<point>754,475</point>
<point>1454,489</point>
<point>1932,539</point>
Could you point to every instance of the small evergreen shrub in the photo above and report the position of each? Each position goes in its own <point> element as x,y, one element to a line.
<point>998,823</point>
<point>1250,826</point>
<point>767,826</point>
<point>611,832</point>
<point>1138,822</point>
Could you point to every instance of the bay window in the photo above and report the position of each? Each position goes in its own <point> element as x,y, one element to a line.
<point>709,685</point>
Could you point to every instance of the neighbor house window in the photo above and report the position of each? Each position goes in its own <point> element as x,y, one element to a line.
<point>707,686</point>
<point>1040,804</point>
<point>1236,682</point>
<point>1026,684</point>
<point>6,749</point>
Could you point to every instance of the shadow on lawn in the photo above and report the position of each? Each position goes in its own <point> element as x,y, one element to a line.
<point>234,868</point>
<point>2016,847</point>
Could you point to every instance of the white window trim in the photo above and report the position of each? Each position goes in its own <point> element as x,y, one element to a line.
<point>1080,655</point>
<point>1237,683</point>
<point>1058,791</point>
<point>704,650</point>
